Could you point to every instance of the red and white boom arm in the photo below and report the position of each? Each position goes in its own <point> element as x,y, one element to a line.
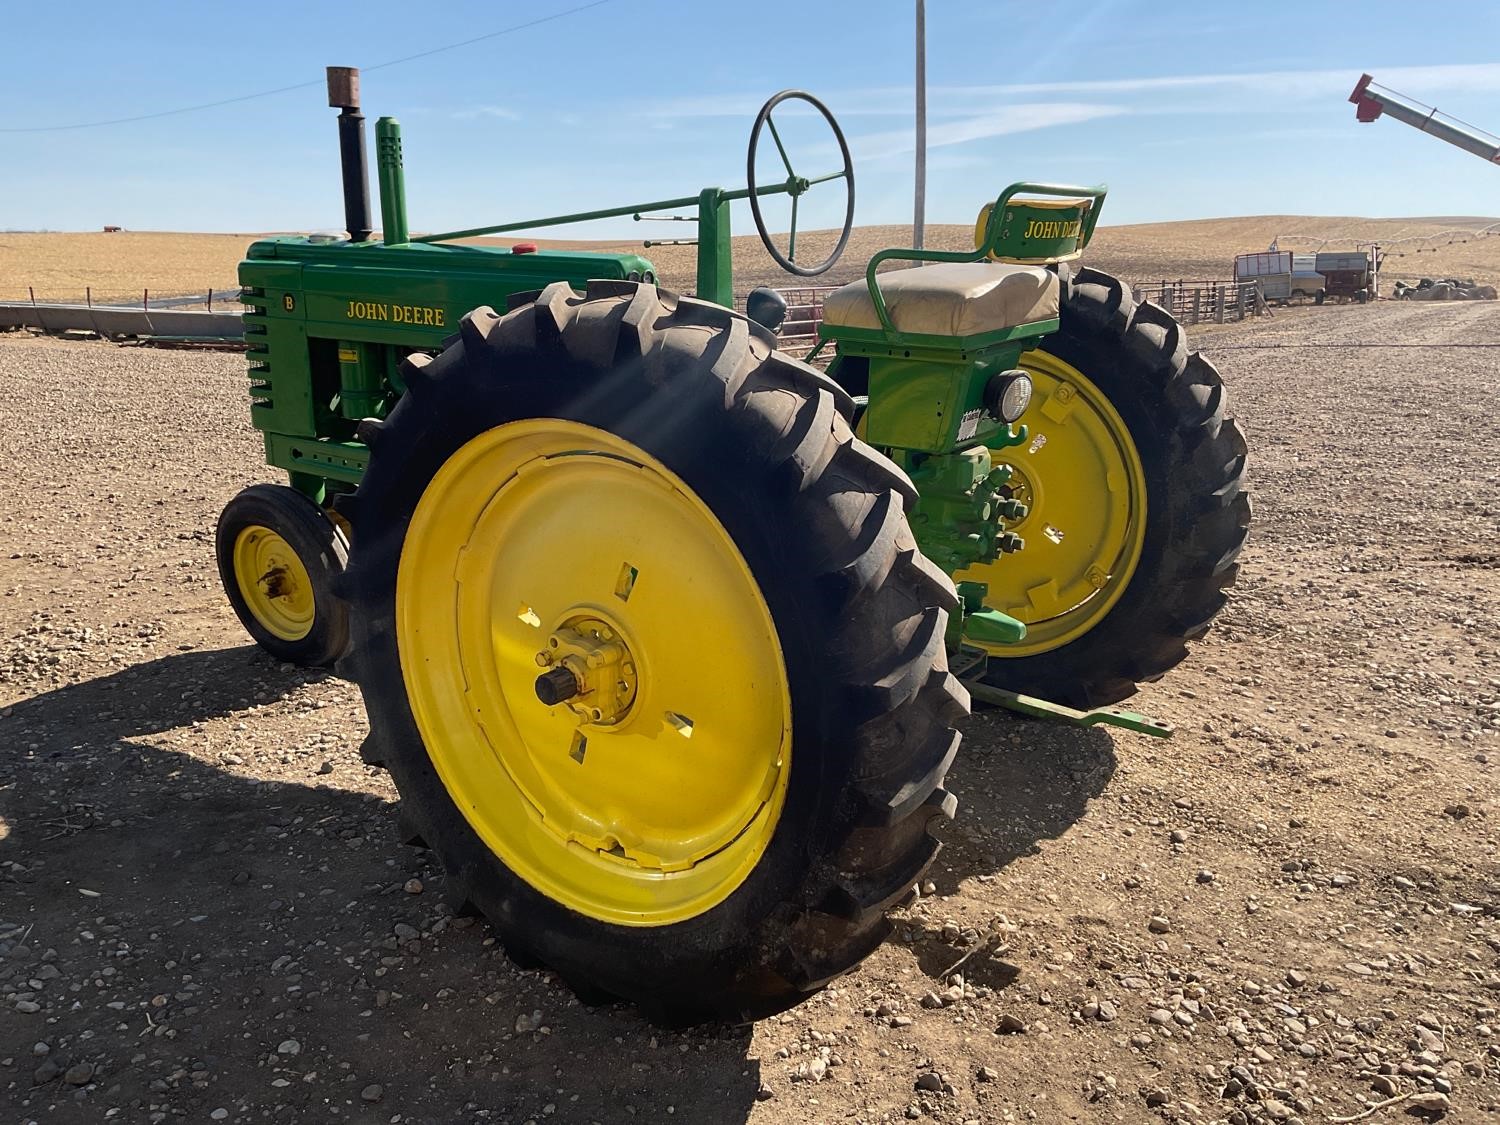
<point>1371,100</point>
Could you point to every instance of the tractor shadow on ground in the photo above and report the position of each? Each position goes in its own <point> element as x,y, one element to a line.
<point>1019,782</point>
<point>162,694</point>
<point>279,901</point>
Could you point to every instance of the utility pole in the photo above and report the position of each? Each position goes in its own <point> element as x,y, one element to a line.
<point>919,216</point>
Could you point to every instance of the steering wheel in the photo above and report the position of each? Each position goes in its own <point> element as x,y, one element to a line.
<point>797,186</point>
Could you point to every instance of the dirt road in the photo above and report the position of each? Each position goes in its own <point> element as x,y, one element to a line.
<point>1287,913</point>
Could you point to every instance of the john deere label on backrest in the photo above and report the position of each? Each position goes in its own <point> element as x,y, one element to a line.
<point>1037,230</point>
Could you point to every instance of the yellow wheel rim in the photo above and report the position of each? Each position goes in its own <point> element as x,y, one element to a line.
<point>274,583</point>
<point>650,797</point>
<point>1082,479</point>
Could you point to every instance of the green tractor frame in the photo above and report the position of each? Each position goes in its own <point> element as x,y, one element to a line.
<point>662,634</point>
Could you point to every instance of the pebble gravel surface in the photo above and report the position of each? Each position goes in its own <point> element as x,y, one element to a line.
<point>1290,912</point>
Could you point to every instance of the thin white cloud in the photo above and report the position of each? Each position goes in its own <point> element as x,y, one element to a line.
<point>1461,78</point>
<point>1421,82</point>
<point>850,103</point>
<point>1011,119</point>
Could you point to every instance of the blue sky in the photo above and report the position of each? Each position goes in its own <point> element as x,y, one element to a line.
<point>1186,110</point>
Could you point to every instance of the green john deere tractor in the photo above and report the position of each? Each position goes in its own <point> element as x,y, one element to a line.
<point>662,634</point>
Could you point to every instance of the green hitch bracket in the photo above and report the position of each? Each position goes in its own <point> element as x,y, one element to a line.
<point>1056,712</point>
<point>983,625</point>
<point>991,627</point>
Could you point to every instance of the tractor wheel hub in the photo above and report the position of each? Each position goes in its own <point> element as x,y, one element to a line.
<point>1020,490</point>
<point>603,671</point>
<point>1083,541</point>
<point>274,582</point>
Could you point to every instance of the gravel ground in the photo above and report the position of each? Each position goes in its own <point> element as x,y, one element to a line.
<point>1287,913</point>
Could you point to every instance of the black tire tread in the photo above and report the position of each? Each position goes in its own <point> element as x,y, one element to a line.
<point>1198,511</point>
<point>885,607</point>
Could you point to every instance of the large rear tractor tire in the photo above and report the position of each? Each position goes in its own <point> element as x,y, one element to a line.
<point>649,650</point>
<point>280,558</point>
<point>1135,480</point>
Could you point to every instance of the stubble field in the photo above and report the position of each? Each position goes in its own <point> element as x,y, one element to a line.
<point>66,266</point>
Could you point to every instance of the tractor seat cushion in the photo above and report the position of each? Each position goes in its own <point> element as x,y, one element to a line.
<point>949,299</point>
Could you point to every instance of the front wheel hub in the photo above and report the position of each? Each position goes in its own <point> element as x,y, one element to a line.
<point>274,583</point>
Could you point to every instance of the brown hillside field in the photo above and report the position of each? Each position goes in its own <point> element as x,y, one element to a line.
<point>114,266</point>
<point>62,266</point>
<point>1197,249</point>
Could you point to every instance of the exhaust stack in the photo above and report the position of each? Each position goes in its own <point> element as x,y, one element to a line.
<point>343,95</point>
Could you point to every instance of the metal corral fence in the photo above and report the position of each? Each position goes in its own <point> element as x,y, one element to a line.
<point>1205,302</point>
<point>804,312</point>
<point>217,298</point>
<point>211,315</point>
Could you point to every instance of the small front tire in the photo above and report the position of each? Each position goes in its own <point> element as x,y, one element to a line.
<point>279,558</point>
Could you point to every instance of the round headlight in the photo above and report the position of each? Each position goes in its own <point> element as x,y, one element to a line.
<point>1008,395</point>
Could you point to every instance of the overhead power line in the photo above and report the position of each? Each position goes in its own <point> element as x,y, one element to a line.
<point>1396,247</point>
<point>306,85</point>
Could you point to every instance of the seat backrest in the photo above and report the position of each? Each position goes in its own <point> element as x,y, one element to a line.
<point>1035,231</point>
